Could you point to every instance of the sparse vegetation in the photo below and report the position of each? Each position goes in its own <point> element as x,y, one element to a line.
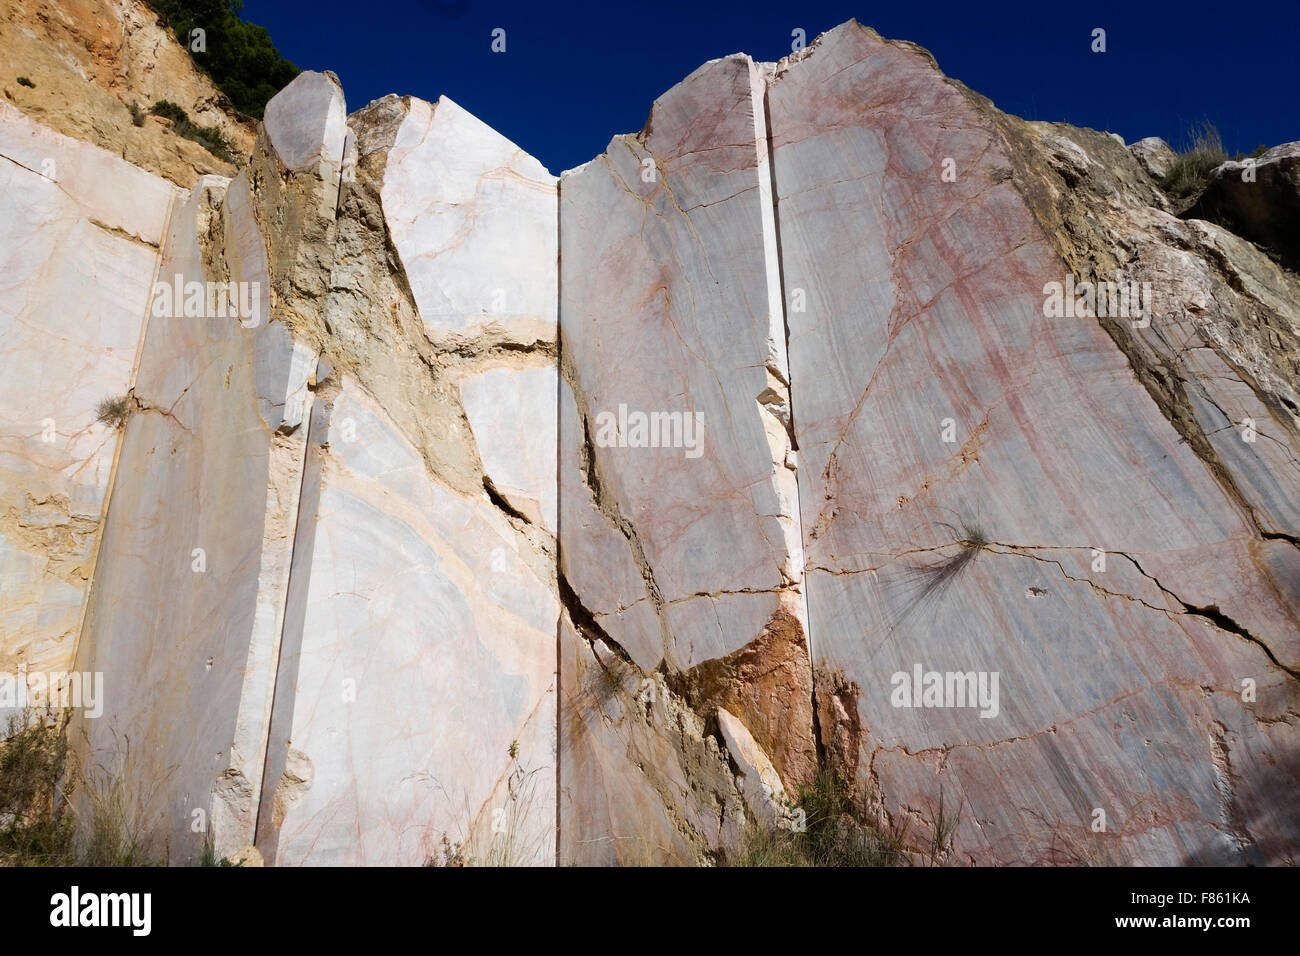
<point>24,81</point>
<point>612,679</point>
<point>208,856</point>
<point>169,110</point>
<point>113,412</point>
<point>970,539</point>
<point>238,56</point>
<point>113,837</point>
<point>1258,151</point>
<point>448,854</point>
<point>36,825</point>
<point>834,834</point>
<point>510,844</point>
<point>510,839</point>
<point>209,137</point>
<point>921,585</point>
<point>1191,169</point>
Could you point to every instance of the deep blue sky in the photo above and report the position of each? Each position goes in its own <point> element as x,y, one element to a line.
<point>574,75</point>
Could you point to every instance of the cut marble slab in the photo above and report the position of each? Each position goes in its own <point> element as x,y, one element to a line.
<point>473,219</point>
<point>670,308</point>
<point>77,261</point>
<point>512,413</point>
<point>413,621</point>
<point>189,592</point>
<point>306,122</point>
<point>961,456</point>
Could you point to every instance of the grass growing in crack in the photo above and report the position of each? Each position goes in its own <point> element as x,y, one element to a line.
<point>513,838</point>
<point>924,584</point>
<point>611,679</point>
<point>208,856</point>
<point>113,412</point>
<point>832,834</point>
<point>510,844</point>
<point>970,539</point>
<point>1190,171</point>
<point>943,827</point>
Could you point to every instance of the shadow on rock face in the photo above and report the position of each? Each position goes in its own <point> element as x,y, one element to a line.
<point>1259,200</point>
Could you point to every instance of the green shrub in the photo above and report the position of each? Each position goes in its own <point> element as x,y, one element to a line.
<point>24,81</point>
<point>240,57</point>
<point>36,824</point>
<point>209,137</point>
<point>169,110</point>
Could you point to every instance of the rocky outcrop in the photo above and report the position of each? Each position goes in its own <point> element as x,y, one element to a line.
<point>1258,199</point>
<point>279,518</point>
<point>1154,155</point>
<point>687,547</point>
<point>835,426</point>
<point>91,60</point>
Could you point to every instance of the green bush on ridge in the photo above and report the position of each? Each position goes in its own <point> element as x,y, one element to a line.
<point>238,56</point>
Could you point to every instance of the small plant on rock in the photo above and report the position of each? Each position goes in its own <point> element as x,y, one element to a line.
<point>1191,169</point>
<point>209,137</point>
<point>113,412</point>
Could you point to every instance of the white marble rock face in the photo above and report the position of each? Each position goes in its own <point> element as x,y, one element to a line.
<point>924,312</point>
<point>307,122</point>
<point>186,614</point>
<point>512,412</point>
<point>419,617</point>
<point>685,553</point>
<point>412,621</point>
<point>375,585</point>
<point>473,219</point>
<point>77,258</point>
<point>671,306</point>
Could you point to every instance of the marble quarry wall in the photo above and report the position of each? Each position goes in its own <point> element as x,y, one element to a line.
<point>456,511</point>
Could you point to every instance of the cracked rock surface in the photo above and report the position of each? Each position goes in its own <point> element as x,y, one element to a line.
<point>587,519</point>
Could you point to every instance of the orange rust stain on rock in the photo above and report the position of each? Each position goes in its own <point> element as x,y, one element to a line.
<point>768,685</point>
